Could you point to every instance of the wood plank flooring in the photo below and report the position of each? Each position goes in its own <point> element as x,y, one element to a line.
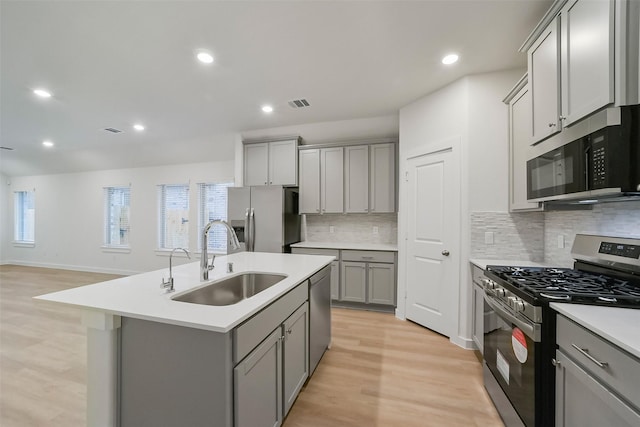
<point>380,371</point>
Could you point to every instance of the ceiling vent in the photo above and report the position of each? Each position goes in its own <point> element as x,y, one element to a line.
<point>299,103</point>
<point>6,148</point>
<point>113,130</point>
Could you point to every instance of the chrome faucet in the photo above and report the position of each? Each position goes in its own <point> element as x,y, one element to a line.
<point>204,258</point>
<point>169,283</point>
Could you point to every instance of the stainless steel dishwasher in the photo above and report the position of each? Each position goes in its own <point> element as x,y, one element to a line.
<point>319,316</point>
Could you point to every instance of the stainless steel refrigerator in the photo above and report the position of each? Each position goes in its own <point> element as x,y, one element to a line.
<point>265,219</point>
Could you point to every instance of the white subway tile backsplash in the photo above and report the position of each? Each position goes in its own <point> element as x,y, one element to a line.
<point>351,228</point>
<point>515,236</point>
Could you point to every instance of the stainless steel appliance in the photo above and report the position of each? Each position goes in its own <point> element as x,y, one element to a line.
<point>266,218</point>
<point>604,164</point>
<point>519,353</point>
<point>319,316</point>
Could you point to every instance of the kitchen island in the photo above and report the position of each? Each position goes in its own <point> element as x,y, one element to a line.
<point>156,361</point>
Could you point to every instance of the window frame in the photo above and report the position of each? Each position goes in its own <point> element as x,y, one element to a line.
<point>19,218</point>
<point>107,245</point>
<point>202,221</point>
<point>161,238</point>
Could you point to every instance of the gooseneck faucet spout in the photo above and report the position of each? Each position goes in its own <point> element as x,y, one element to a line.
<point>204,258</point>
<point>169,283</point>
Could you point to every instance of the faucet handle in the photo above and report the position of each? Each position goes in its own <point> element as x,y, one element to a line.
<point>210,266</point>
<point>167,284</point>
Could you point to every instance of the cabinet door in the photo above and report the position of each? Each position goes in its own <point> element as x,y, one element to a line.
<point>582,401</point>
<point>283,163</point>
<point>544,70</point>
<point>382,178</point>
<point>296,354</point>
<point>258,385</point>
<point>335,280</point>
<point>256,161</point>
<point>356,180</point>
<point>519,139</point>
<point>309,201</point>
<point>354,282</point>
<point>587,57</point>
<point>332,180</point>
<point>478,317</point>
<point>382,284</point>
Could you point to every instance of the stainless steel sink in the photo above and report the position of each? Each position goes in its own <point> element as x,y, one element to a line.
<point>232,290</point>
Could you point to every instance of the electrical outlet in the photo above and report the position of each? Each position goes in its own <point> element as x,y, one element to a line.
<point>332,229</point>
<point>375,230</point>
<point>560,241</point>
<point>488,237</point>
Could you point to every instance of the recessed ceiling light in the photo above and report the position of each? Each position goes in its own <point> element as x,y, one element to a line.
<point>450,59</point>
<point>205,57</point>
<point>47,143</point>
<point>138,127</point>
<point>42,93</point>
<point>267,108</point>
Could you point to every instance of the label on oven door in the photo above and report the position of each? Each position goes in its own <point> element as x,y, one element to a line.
<point>519,345</point>
<point>502,365</point>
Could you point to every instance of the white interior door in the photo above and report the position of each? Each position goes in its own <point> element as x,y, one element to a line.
<point>433,239</point>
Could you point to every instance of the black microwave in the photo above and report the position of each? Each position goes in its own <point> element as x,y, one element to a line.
<point>603,163</point>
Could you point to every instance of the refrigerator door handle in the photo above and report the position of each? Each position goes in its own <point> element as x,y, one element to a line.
<point>247,231</point>
<point>252,230</point>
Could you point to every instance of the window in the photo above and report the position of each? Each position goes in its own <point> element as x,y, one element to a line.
<point>173,223</point>
<point>116,216</point>
<point>212,204</point>
<point>24,217</point>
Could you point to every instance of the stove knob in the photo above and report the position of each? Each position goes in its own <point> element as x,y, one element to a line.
<point>512,302</point>
<point>519,306</point>
<point>501,292</point>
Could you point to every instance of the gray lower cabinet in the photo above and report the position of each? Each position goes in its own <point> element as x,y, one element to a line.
<point>335,280</point>
<point>354,282</point>
<point>381,286</point>
<point>597,383</point>
<point>268,380</point>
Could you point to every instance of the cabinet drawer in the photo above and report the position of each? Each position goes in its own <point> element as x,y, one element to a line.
<point>249,334</point>
<point>368,256</point>
<point>478,275</point>
<point>316,251</point>
<point>621,372</point>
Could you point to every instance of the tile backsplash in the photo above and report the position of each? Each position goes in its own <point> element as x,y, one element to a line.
<point>536,236</point>
<point>358,228</point>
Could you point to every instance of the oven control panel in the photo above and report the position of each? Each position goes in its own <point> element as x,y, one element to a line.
<point>620,249</point>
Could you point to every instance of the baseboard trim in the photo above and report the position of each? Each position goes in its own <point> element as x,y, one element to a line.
<point>465,343</point>
<point>72,267</point>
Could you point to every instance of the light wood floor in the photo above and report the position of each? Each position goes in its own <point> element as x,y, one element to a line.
<point>380,371</point>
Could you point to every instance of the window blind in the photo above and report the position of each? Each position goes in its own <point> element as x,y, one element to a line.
<point>212,204</point>
<point>116,216</point>
<point>173,221</point>
<point>25,210</point>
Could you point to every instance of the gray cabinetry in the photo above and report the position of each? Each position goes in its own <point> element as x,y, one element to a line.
<point>356,183</point>
<point>271,163</point>
<point>335,266</point>
<point>354,282</point>
<point>382,186</point>
<point>519,103</point>
<point>258,385</point>
<point>381,286</point>
<point>368,277</point>
<point>309,178</point>
<point>331,180</point>
<point>597,383</point>
<point>296,355</point>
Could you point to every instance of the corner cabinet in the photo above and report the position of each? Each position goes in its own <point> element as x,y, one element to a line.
<point>519,103</point>
<point>597,383</point>
<point>271,163</point>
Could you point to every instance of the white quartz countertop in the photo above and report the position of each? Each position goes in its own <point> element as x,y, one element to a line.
<point>352,246</point>
<point>617,325</point>
<point>141,297</point>
<point>482,263</point>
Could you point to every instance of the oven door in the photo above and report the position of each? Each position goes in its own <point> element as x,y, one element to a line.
<point>510,352</point>
<point>558,172</point>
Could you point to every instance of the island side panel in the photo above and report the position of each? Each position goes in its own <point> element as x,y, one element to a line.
<point>172,375</point>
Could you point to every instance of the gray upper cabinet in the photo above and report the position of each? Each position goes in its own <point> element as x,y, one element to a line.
<point>271,163</point>
<point>309,178</point>
<point>356,184</point>
<point>587,57</point>
<point>331,180</point>
<point>544,75</point>
<point>519,124</point>
<point>383,178</point>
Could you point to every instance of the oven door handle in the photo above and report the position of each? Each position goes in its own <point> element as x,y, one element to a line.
<point>532,330</point>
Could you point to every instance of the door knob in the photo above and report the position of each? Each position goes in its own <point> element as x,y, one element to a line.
<point>445,252</point>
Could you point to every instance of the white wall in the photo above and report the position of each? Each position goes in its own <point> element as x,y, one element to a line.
<point>5,215</point>
<point>69,216</point>
<point>470,109</point>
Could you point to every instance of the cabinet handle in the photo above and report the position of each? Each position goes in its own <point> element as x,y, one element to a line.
<point>367,257</point>
<point>265,183</point>
<point>270,182</point>
<point>445,252</point>
<point>552,125</point>
<point>585,353</point>
<point>289,331</point>
<point>563,118</point>
<point>556,363</point>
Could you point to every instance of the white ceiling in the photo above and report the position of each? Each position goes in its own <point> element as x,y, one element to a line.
<point>114,63</point>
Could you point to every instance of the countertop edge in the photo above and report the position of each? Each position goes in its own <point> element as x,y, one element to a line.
<point>347,246</point>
